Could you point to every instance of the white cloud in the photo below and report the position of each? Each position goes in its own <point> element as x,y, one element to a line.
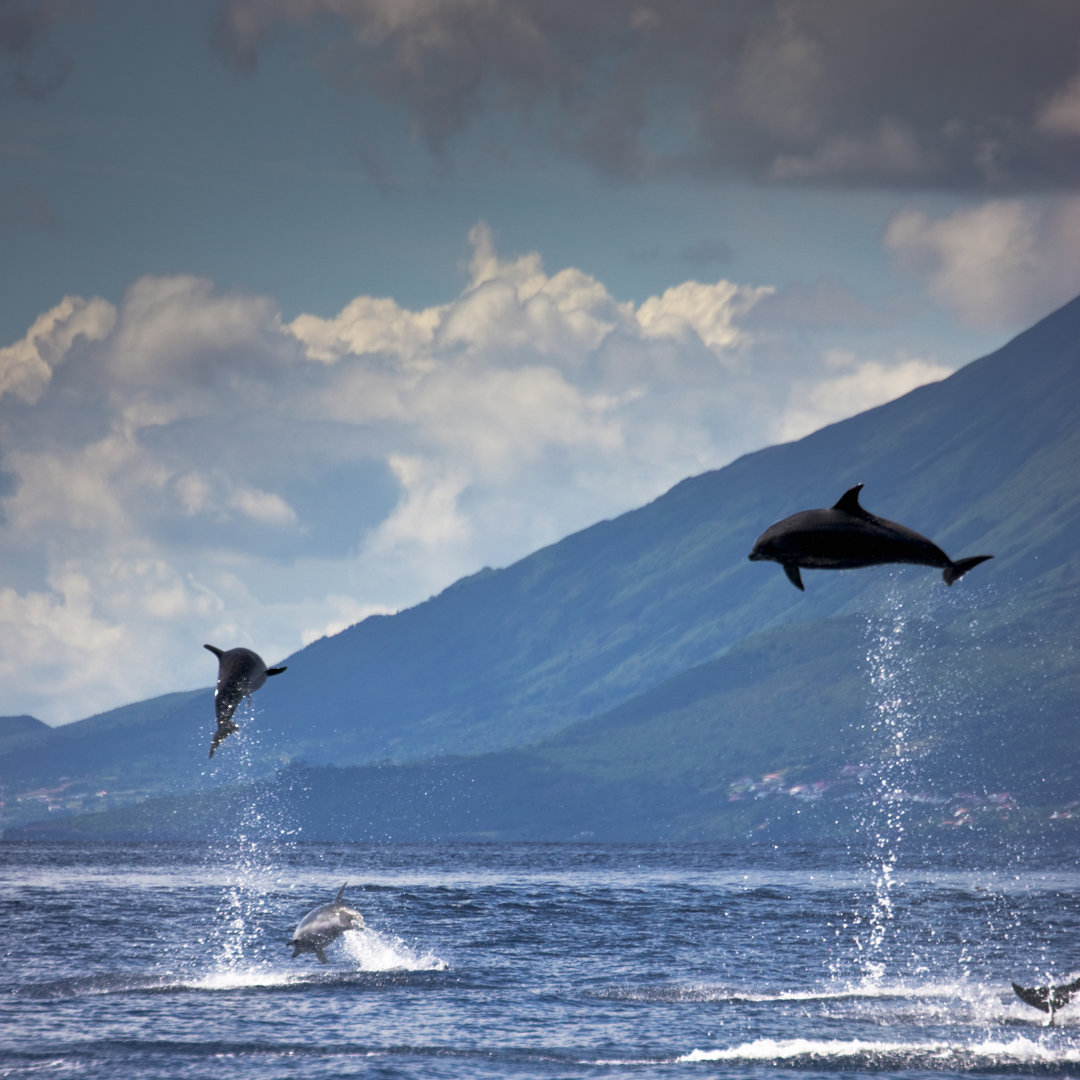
<point>187,468</point>
<point>1003,262</point>
<point>177,331</point>
<point>707,312</point>
<point>367,325</point>
<point>851,386</point>
<point>263,507</point>
<point>27,366</point>
<point>1061,114</point>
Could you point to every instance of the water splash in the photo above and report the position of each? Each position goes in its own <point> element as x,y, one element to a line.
<point>891,723</point>
<point>372,950</point>
<point>894,740</point>
<point>251,846</point>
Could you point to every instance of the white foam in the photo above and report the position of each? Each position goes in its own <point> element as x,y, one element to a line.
<point>1019,1051</point>
<point>370,950</point>
<point>232,978</point>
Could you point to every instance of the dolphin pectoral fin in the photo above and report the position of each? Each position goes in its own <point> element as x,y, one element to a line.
<point>849,502</point>
<point>274,670</point>
<point>794,576</point>
<point>321,955</point>
<point>958,569</point>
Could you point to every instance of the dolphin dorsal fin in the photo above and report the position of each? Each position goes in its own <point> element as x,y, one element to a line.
<point>214,649</point>
<point>849,502</point>
<point>274,670</point>
<point>340,894</point>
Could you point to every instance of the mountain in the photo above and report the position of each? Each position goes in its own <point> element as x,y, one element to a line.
<point>573,659</point>
<point>782,737</point>
<point>16,729</point>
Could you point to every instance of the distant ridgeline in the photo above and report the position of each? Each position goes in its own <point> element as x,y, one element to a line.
<point>642,679</point>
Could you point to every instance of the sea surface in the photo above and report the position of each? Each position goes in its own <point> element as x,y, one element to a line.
<point>535,961</point>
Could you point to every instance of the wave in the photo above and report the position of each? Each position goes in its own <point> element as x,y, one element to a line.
<point>707,993</point>
<point>367,954</point>
<point>866,1055</point>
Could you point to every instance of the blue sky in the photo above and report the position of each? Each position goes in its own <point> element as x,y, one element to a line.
<point>311,307</point>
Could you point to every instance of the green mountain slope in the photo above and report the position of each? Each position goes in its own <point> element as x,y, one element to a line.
<point>983,462</point>
<point>806,730</point>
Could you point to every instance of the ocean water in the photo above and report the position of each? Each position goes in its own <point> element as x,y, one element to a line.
<point>535,961</point>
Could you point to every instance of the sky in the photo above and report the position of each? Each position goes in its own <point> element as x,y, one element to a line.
<point>309,308</point>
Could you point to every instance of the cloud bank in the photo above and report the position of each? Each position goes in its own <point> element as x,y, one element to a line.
<point>186,466</point>
<point>966,95</point>
<point>996,264</point>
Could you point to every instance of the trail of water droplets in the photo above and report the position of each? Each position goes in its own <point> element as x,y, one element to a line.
<point>251,845</point>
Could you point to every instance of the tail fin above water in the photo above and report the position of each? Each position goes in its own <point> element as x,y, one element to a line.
<point>959,568</point>
<point>1047,998</point>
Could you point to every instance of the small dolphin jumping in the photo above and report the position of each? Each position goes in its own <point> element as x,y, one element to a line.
<point>1048,998</point>
<point>845,537</point>
<point>240,673</point>
<point>323,925</point>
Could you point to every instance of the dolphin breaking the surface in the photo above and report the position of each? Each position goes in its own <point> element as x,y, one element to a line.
<point>1048,998</point>
<point>323,925</point>
<point>844,537</point>
<point>240,673</point>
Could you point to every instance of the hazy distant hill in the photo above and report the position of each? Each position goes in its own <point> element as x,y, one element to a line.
<point>585,647</point>
<point>16,729</point>
<point>789,734</point>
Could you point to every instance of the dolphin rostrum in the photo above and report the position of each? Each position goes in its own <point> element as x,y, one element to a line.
<point>240,673</point>
<point>846,536</point>
<point>1048,998</point>
<point>323,925</point>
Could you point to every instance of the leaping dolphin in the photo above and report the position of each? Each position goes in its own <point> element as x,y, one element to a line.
<point>844,537</point>
<point>323,925</point>
<point>1048,998</point>
<point>240,673</point>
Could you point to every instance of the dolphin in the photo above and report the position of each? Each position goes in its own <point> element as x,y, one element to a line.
<point>323,925</point>
<point>846,536</point>
<point>1048,998</point>
<point>240,673</point>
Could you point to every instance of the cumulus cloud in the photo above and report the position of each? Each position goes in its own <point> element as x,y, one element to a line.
<point>964,95</point>
<point>185,466</point>
<point>27,366</point>
<point>997,264</point>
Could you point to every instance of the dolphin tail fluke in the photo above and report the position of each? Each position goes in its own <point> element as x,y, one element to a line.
<point>224,729</point>
<point>1047,998</point>
<point>955,571</point>
<point>1035,996</point>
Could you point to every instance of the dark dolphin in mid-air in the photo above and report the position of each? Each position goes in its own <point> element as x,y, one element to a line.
<point>323,925</point>
<point>845,537</point>
<point>240,673</point>
<point>1048,998</point>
